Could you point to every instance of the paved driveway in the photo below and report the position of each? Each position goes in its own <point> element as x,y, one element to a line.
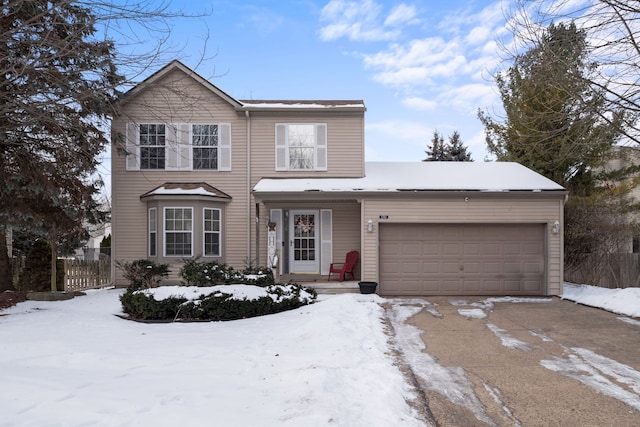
<point>519,362</point>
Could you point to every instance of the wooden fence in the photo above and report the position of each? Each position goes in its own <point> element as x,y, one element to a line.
<point>612,271</point>
<point>86,274</point>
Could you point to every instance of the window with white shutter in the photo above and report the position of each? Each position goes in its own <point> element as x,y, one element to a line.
<point>301,146</point>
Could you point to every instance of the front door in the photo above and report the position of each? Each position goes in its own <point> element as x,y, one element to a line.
<point>303,242</point>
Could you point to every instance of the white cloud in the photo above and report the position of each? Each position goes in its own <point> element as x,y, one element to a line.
<point>402,14</point>
<point>478,35</point>
<point>363,20</point>
<point>469,97</point>
<point>419,104</point>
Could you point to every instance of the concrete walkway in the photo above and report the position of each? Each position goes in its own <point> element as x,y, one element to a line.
<point>542,362</point>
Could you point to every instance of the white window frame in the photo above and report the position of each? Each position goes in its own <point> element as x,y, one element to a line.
<point>195,147</point>
<point>283,146</point>
<point>153,231</point>
<point>156,146</point>
<point>166,232</point>
<point>205,232</point>
<point>178,146</point>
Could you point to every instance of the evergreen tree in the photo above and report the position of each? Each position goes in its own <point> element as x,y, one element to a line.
<point>457,150</point>
<point>553,121</point>
<point>436,150</point>
<point>57,87</point>
<point>555,126</point>
<point>453,150</point>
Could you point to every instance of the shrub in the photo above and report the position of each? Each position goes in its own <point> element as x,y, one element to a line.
<point>215,304</point>
<point>36,275</point>
<point>200,273</point>
<point>143,273</point>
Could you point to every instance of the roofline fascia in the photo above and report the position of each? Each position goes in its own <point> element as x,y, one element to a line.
<point>301,109</point>
<point>434,194</point>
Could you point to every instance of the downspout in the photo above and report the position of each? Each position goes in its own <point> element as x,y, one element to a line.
<point>248,163</point>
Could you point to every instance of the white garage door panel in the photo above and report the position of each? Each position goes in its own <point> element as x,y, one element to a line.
<point>462,259</point>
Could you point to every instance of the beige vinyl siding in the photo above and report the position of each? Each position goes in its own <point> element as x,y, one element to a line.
<point>478,209</point>
<point>177,98</point>
<point>345,144</point>
<point>345,220</point>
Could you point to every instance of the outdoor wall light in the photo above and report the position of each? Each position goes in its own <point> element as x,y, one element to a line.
<point>370,226</point>
<point>556,227</point>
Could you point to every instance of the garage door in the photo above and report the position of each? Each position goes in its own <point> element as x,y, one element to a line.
<point>462,259</point>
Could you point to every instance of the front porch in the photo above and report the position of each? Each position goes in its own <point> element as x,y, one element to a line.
<point>320,283</point>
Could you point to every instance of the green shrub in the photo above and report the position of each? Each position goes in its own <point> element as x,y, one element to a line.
<point>200,273</point>
<point>219,305</point>
<point>143,273</point>
<point>36,275</point>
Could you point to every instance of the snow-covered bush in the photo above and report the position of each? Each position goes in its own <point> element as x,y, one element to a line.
<point>220,302</point>
<point>200,273</point>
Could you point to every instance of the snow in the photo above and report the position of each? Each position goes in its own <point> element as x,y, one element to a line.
<point>422,176</point>
<point>621,301</point>
<point>200,191</point>
<point>291,104</point>
<point>238,292</point>
<point>472,313</point>
<point>599,373</point>
<point>71,363</point>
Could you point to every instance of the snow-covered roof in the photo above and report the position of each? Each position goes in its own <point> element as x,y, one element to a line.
<point>302,104</point>
<point>421,176</point>
<point>186,189</point>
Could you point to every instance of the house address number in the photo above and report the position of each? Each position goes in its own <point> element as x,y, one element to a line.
<point>384,216</point>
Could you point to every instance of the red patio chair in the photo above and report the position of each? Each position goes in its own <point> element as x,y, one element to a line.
<point>346,267</point>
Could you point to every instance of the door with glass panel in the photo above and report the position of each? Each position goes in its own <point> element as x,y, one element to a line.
<point>303,241</point>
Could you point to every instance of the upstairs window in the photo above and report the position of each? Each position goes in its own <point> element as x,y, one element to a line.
<point>301,147</point>
<point>205,146</point>
<point>152,146</point>
<point>179,146</point>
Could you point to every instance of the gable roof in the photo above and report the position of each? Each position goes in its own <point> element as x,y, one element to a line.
<point>385,177</point>
<point>247,105</point>
<point>177,65</point>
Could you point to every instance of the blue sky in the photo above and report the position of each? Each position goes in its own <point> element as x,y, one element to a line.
<point>418,65</point>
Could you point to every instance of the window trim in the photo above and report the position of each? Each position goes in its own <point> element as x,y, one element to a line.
<point>193,147</point>
<point>178,148</point>
<point>165,232</point>
<point>282,147</point>
<point>205,232</point>
<point>152,229</point>
<point>153,146</point>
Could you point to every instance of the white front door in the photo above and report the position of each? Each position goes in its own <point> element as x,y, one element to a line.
<point>304,252</point>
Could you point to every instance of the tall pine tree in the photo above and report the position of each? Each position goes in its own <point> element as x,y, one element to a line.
<point>554,124</point>
<point>453,151</point>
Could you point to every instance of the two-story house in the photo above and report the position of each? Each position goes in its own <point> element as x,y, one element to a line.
<point>197,173</point>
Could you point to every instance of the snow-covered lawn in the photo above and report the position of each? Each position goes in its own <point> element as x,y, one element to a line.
<point>622,301</point>
<point>75,363</point>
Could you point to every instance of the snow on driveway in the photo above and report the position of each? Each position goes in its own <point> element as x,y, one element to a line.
<point>75,363</point>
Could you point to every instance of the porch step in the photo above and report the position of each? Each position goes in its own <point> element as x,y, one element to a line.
<point>321,283</point>
<point>335,287</point>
